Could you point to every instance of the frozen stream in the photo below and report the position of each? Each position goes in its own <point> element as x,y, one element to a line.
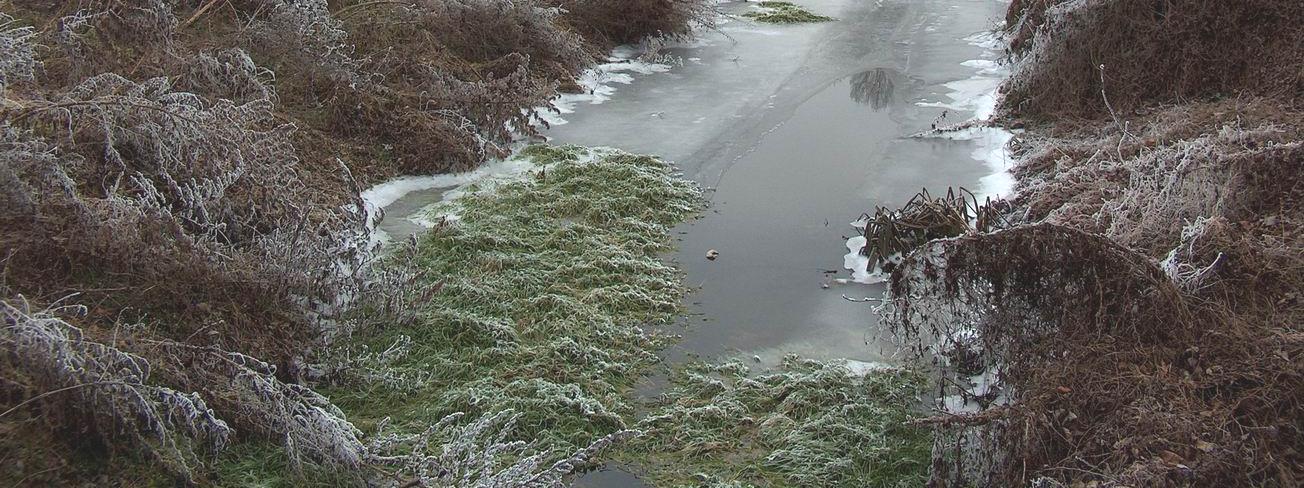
<point>796,130</point>
<point>800,129</point>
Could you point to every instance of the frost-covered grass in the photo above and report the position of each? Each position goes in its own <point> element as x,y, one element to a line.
<point>784,13</point>
<point>807,423</point>
<point>550,299</point>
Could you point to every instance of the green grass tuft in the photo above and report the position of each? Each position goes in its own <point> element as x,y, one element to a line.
<point>808,423</point>
<point>785,13</point>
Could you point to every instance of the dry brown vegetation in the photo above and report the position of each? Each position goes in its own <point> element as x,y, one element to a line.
<point>180,226</point>
<point>889,234</point>
<point>1143,310</point>
<point>1149,51</point>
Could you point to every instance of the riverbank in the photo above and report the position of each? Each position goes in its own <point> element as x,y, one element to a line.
<point>184,229</point>
<point>1138,301</point>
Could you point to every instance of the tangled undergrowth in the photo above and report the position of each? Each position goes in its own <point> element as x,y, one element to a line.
<point>1147,52</point>
<point>1139,308</point>
<point>784,13</point>
<point>807,423</point>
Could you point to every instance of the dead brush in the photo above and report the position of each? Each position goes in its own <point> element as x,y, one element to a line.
<point>165,186</point>
<point>441,97</point>
<point>1143,320</point>
<point>1152,51</point>
<point>150,163</point>
<point>79,384</point>
<point>313,431</point>
<point>612,22</point>
<point>99,36</point>
<point>526,28</point>
<point>1111,374</point>
<point>890,233</point>
<point>305,34</point>
<point>17,53</point>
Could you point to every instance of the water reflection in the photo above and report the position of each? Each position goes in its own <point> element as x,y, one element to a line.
<point>873,88</point>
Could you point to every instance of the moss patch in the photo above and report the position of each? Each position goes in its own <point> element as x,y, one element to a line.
<point>785,13</point>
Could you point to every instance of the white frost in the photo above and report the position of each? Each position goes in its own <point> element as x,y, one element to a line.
<point>860,369</point>
<point>598,83</point>
<point>979,94</point>
<point>385,194</point>
<point>859,263</point>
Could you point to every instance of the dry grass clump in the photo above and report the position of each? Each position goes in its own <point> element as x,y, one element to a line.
<point>123,184</point>
<point>1143,324</point>
<point>1109,373</point>
<point>17,52</point>
<point>1141,321</point>
<point>889,234</point>
<point>1150,52</point>
<point>185,215</point>
<point>103,390</point>
<point>1199,188</point>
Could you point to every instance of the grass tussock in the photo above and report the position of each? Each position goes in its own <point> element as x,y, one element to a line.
<point>806,423</point>
<point>891,233</point>
<point>784,13</point>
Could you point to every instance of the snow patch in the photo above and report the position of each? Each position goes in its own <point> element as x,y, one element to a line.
<point>858,263</point>
<point>861,369</point>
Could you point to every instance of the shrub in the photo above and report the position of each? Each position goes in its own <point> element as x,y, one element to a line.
<point>17,53</point>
